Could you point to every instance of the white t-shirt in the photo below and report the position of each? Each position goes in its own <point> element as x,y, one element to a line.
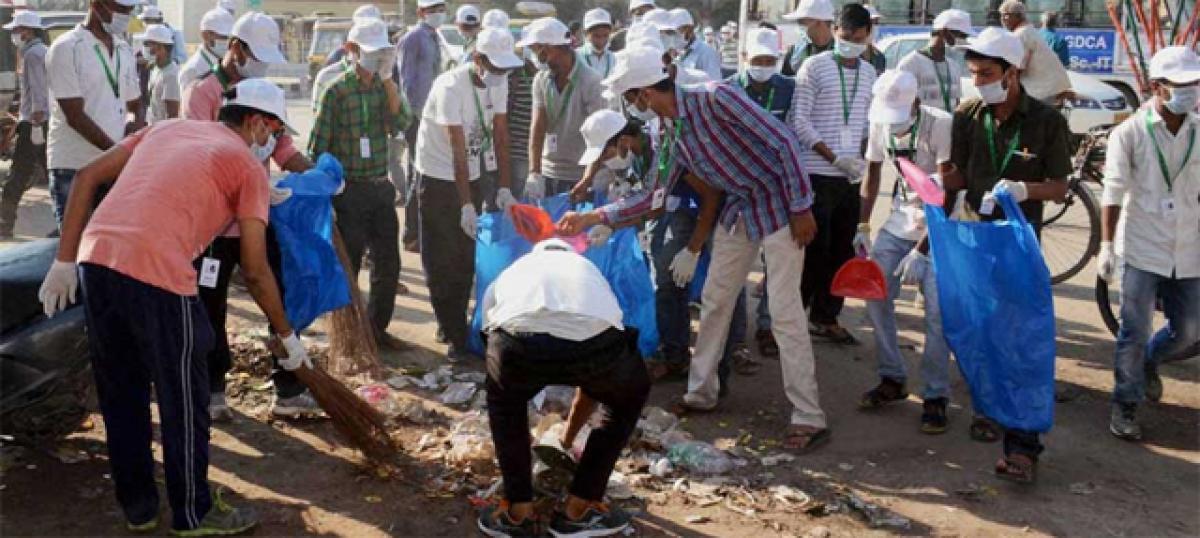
<point>201,62</point>
<point>163,86</point>
<point>558,293</point>
<point>452,101</point>
<point>1043,75</point>
<point>928,72</point>
<point>75,70</point>
<point>907,220</point>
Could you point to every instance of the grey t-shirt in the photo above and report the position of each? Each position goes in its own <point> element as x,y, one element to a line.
<point>563,121</point>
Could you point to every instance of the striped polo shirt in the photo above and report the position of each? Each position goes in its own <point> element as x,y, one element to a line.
<point>817,113</point>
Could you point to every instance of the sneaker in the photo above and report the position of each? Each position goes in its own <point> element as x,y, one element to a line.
<point>1154,388</point>
<point>218,410</point>
<point>1123,422</point>
<point>889,390</point>
<point>495,521</point>
<point>142,528</point>
<point>222,520</point>
<point>933,419</point>
<point>296,406</point>
<point>598,520</point>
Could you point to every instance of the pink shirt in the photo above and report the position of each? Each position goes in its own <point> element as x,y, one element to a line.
<point>176,192</point>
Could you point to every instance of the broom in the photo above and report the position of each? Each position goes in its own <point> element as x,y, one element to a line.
<point>352,348</point>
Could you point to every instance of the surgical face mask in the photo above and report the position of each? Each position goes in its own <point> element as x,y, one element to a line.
<point>119,23</point>
<point>252,68</point>
<point>762,74</point>
<point>17,41</point>
<point>220,47</point>
<point>619,162</point>
<point>435,19</point>
<point>994,93</point>
<point>492,79</point>
<point>849,49</point>
<point>644,115</point>
<point>263,151</point>
<point>540,65</point>
<point>1183,99</point>
<point>148,54</point>
<point>372,62</point>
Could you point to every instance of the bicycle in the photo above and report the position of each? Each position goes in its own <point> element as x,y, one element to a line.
<point>1066,250</point>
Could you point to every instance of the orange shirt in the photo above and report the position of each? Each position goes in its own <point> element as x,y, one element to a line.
<point>184,182</point>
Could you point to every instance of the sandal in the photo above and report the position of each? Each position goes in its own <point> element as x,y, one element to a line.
<point>889,390</point>
<point>805,439</point>
<point>680,407</point>
<point>1017,468</point>
<point>767,346</point>
<point>661,370</point>
<point>834,334</point>
<point>744,363</point>
<point>984,430</point>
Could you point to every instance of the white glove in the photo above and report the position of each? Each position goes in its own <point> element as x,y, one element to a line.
<point>58,289</point>
<point>505,199</point>
<point>912,268</point>
<point>854,167</point>
<point>280,195</point>
<point>962,210</point>
<point>1106,262</point>
<point>618,189</point>
<point>469,220</point>
<point>683,267</point>
<point>297,355</point>
<point>598,235</point>
<point>535,186</point>
<point>862,239</point>
<point>1019,191</point>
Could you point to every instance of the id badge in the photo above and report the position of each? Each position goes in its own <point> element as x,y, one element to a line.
<point>1168,207</point>
<point>551,143</point>
<point>364,147</point>
<point>489,161</point>
<point>658,199</point>
<point>988,205</point>
<point>209,268</point>
<point>847,139</point>
<point>37,136</point>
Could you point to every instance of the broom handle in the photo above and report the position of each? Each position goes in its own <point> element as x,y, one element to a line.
<point>1116,20</point>
<point>1142,21</point>
<point>1191,29</point>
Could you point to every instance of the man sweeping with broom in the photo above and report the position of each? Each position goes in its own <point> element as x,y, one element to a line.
<point>146,324</point>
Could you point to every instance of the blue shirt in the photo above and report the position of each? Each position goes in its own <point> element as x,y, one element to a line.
<point>700,55</point>
<point>779,91</point>
<point>420,57</point>
<point>1058,45</point>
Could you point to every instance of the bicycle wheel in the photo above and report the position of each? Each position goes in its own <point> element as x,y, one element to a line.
<point>1109,303</point>
<point>1071,236</point>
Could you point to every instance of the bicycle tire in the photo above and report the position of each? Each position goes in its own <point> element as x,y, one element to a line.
<point>1105,305</point>
<point>1066,268</point>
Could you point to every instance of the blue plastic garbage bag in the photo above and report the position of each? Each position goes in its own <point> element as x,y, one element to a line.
<point>313,279</point>
<point>998,313</point>
<point>621,261</point>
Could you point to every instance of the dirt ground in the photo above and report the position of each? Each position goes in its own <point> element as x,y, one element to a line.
<point>303,481</point>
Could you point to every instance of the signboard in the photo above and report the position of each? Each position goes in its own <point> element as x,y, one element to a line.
<point>1090,50</point>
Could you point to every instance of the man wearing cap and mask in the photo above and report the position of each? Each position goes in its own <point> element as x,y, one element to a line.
<point>833,93</point>
<point>563,97</point>
<point>1042,75</point>
<point>363,12</point>
<point>718,133</point>
<point>1151,206</point>
<point>357,114</point>
<point>132,261</point>
<point>29,149</point>
<point>1006,138</point>
<point>637,10</point>
<point>902,126</point>
<point>695,53</point>
<point>93,85</point>
<point>936,67</point>
<point>816,17</point>
<point>597,26</point>
<point>215,27</point>
<point>163,85</point>
<point>419,56</point>
<point>465,118</point>
<point>152,15</point>
<point>468,21</point>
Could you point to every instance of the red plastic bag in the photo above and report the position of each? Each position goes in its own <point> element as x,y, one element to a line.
<point>534,224</point>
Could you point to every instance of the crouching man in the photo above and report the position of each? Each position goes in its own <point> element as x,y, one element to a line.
<point>551,319</point>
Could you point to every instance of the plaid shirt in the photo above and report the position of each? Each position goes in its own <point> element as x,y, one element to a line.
<point>731,143</point>
<point>348,112</point>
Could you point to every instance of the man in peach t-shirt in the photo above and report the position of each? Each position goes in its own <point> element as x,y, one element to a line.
<point>146,324</point>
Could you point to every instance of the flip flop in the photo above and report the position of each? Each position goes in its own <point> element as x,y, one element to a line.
<point>1017,468</point>
<point>811,439</point>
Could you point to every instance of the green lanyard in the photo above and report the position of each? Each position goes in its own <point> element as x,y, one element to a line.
<point>665,157</point>
<point>204,56</point>
<point>487,133</point>
<point>912,136</point>
<point>1162,161</point>
<point>362,97</point>
<point>993,150</point>
<point>943,83</point>
<point>566,96</point>
<point>837,59</point>
<point>641,164</point>
<point>216,69</point>
<point>770,95</point>
<point>112,80</point>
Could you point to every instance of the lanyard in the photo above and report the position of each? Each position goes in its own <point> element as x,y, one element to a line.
<point>912,136</point>
<point>1162,161</point>
<point>943,83</point>
<point>770,95</point>
<point>204,56</point>
<point>362,97</point>
<point>837,59</point>
<point>112,80</point>
<point>993,151</point>
<point>641,164</point>
<point>566,95</point>
<point>487,132</point>
<point>665,152</point>
<point>221,77</point>
<point>608,59</point>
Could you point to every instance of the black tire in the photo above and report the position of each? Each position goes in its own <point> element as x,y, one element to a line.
<point>1065,250</point>
<point>1105,303</point>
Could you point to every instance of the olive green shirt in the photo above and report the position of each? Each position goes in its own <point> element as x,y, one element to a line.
<point>1043,151</point>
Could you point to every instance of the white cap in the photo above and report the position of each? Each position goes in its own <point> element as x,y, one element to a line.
<point>468,14</point>
<point>635,68</point>
<point>430,3</point>
<point>762,42</point>
<point>25,19</point>
<point>894,93</point>
<point>873,13</point>
<point>955,20</point>
<point>370,35</point>
<point>996,42</point>
<point>645,35</point>
<point>217,20</point>
<point>597,130</point>
<point>262,34</point>
<point>151,12</point>
<point>820,10</point>
<point>1012,6</point>
<point>367,11</point>
<point>682,17</point>
<point>228,5</point>
<point>660,18</point>
<point>708,30</point>
<point>130,3</point>
<point>596,17</point>
<point>546,31</point>
<point>635,4</point>
<point>157,33</point>
<point>1178,65</point>
<point>261,94</point>
<point>495,18</point>
<point>496,44</point>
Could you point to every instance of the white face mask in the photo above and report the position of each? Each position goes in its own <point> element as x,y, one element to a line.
<point>263,151</point>
<point>492,80</point>
<point>17,41</point>
<point>435,19</point>
<point>253,68</point>
<point>220,47</point>
<point>762,74</point>
<point>644,115</point>
<point>119,24</point>
<point>993,93</point>
<point>618,162</point>
<point>848,49</point>
<point>1183,100</point>
<point>373,62</point>
<point>148,54</point>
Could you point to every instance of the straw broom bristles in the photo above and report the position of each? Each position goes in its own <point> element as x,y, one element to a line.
<point>363,426</point>
<point>352,348</point>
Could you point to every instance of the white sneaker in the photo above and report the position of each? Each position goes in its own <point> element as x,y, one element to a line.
<point>299,405</point>
<point>218,410</point>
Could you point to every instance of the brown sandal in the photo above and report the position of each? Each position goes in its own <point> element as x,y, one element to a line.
<point>1017,468</point>
<point>804,439</point>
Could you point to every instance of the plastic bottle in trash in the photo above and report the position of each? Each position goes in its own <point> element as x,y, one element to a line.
<point>700,458</point>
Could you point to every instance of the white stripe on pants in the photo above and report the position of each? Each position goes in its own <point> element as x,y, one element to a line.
<point>732,255</point>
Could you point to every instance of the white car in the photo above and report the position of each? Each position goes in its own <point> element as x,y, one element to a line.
<point>1096,103</point>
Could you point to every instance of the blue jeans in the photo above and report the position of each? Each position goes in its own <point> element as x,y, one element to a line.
<point>888,251</point>
<point>1137,352</point>
<point>60,190</point>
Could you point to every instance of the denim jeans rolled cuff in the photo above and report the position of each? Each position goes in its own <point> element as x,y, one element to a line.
<point>1136,352</point>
